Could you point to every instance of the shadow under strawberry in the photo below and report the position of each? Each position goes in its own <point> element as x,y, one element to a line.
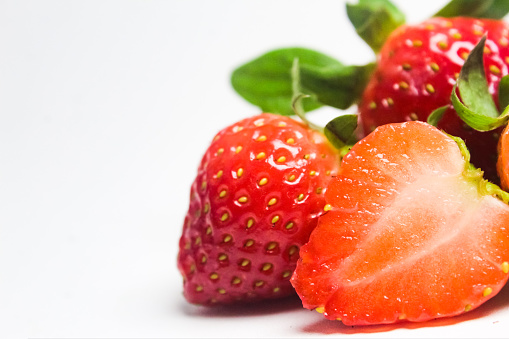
<point>249,309</point>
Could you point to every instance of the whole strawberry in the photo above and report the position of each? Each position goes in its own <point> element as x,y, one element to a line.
<point>417,68</point>
<point>256,198</point>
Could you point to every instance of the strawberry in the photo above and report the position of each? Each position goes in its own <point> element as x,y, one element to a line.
<point>417,68</point>
<point>256,198</point>
<point>503,159</point>
<point>412,231</point>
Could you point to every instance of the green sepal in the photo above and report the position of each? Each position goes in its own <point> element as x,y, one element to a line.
<point>489,9</point>
<point>472,83</point>
<point>503,92</point>
<point>435,116</point>
<point>476,120</point>
<point>267,80</point>
<point>340,131</point>
<point>338,86</point>
<point>374,20</point>
<point>476,107</point>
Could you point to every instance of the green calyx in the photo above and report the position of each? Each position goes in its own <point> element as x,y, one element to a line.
<point>267,80</point>
<point>374,20</point>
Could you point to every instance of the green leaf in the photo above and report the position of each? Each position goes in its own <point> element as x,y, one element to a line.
<point>491,9</point>
<point>267,80</point>
<point>435,116</point>
<point>341,130</point>
<point>374,20</point>
<point>473,86</point>
<point>503,92</point>
<point>338,86</point>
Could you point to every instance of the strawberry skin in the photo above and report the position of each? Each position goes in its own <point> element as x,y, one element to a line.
<point>503,159</point>
<point>256,198</point>
<point>417,68</point>
<point>410,233</point>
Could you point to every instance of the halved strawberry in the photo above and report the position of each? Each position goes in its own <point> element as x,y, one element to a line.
<point>256,198</point>
<point>413,232</point>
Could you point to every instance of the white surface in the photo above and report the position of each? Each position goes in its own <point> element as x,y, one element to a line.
<point>105,110</point>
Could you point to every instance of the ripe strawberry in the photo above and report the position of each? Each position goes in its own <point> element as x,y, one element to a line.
<point>503,159</point>
<point>417,68</point>
<point>413,232</point>
<point>256,198</point>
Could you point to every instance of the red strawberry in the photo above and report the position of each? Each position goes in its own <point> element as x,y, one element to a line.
<point>417,68</point>
<point>257,196</point>
<point>413,232</point>
<point>503,159</point>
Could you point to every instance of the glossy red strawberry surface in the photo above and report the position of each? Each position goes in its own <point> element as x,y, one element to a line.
<point>411,233</point>
<point>257,196</point>
<point>417,68</point>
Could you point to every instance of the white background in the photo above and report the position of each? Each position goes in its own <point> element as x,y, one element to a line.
<point>105,110</point>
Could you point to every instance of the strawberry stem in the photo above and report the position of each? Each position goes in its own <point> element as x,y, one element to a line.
<point>339,131</point>
<point>298,96</point>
